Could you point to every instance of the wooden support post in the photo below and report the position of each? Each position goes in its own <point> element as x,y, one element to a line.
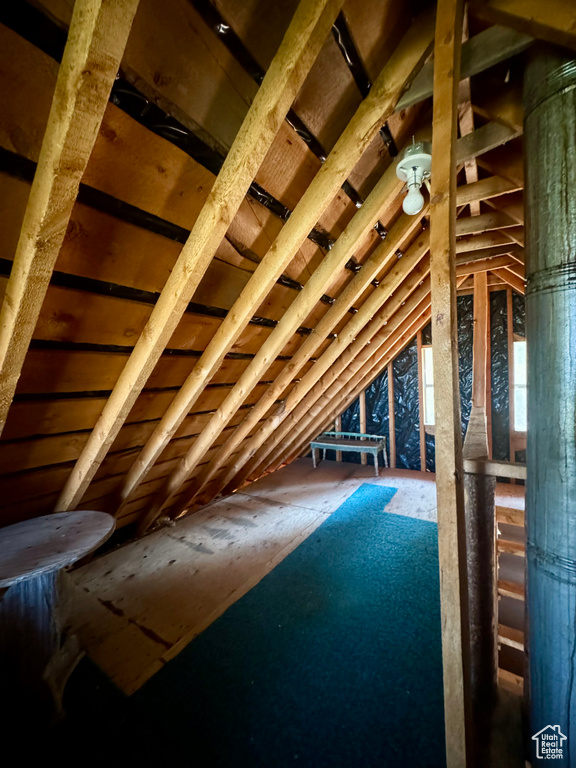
<point>510,340</point>
<point>294,58</point>
<point>338,427</point>
<point>391,416</point>
<point>421,403</point>
<point>362,403</point>
<point>449,472</point>
<point>96,42</point>
<point>481,536</point>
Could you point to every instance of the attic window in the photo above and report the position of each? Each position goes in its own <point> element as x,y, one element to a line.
<point>519,368</point>
<point>428,385</point>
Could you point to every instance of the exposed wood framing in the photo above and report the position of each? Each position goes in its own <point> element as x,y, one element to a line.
<point>362,405</point>
<point>391,416</point>
<point>281,421</point>
<point>449,488</point>
<point>380,259</point>
<point>300,308</point>
<point>402,66</point>
<point>421,428</point>
<point>264,358</point>
<point>479,53</point>
<point>96,40</point>
<point>294,58</point>
<point>515,282</point>
<point>350,374</point>
<point>554,21</point>
<point>405,325</point>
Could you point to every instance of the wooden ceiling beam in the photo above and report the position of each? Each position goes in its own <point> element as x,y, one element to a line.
<point>486,222</point>
<point>375,333</point>
<point>318,284</point>
<point>485,139</point>
<point>96,41</point>
<point>509,249</point>
<point>485,189</point>
<point>297,52</point>
<point>485,240</point>
<point>512,279</point>
<point>553,20</point>
<point>379,296</point>
<point>409,273</point>
<point>485,265</point>
<point>479,53</point>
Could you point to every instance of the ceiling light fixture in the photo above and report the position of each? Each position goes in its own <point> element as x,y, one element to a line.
<point>414,169</point>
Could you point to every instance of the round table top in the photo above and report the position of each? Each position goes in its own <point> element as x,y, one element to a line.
<point>48,543</point>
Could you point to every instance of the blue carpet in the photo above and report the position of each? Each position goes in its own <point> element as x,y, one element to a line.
<point>332,661</point>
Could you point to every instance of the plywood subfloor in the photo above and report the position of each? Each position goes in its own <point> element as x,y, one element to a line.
<point>138,606</point>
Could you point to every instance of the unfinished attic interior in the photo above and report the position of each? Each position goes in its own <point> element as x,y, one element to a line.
<point>288,446</point>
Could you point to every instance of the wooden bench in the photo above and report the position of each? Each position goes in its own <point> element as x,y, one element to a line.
<point>350,441</point>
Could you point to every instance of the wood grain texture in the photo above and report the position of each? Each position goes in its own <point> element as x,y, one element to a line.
<point>95,45</point>
<point>291,64</point>
<point>46,544</point>
<point>449,488</point>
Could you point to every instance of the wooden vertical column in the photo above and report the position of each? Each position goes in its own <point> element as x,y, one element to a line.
<point>510,335</point>
<point>421,403</point>
<point>362,402</point>
<point>480,534</point>
<point>391,416</point>
<point>338,428</point>
<point>449,486</point>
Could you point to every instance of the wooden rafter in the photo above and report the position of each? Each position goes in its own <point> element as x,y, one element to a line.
<point>281,422</point>
<point>512,279</point>
<point>390,283</point>
<point>449,488</point>
<point>494,186</point>
<point>380,260</point>
<point>481,52</point>
<point>264,358</point>
<point>400,69</point>
<point>297,53</point>
<point>554,20</point>
<point>295,315</point>
<point>382,330</point>
<point>96,41</point>
<point>485,222</point>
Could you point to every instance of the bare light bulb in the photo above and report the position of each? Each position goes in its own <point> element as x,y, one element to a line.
<point>414,201</point>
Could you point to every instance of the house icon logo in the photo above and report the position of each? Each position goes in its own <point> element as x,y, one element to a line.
<point>549,743</point>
